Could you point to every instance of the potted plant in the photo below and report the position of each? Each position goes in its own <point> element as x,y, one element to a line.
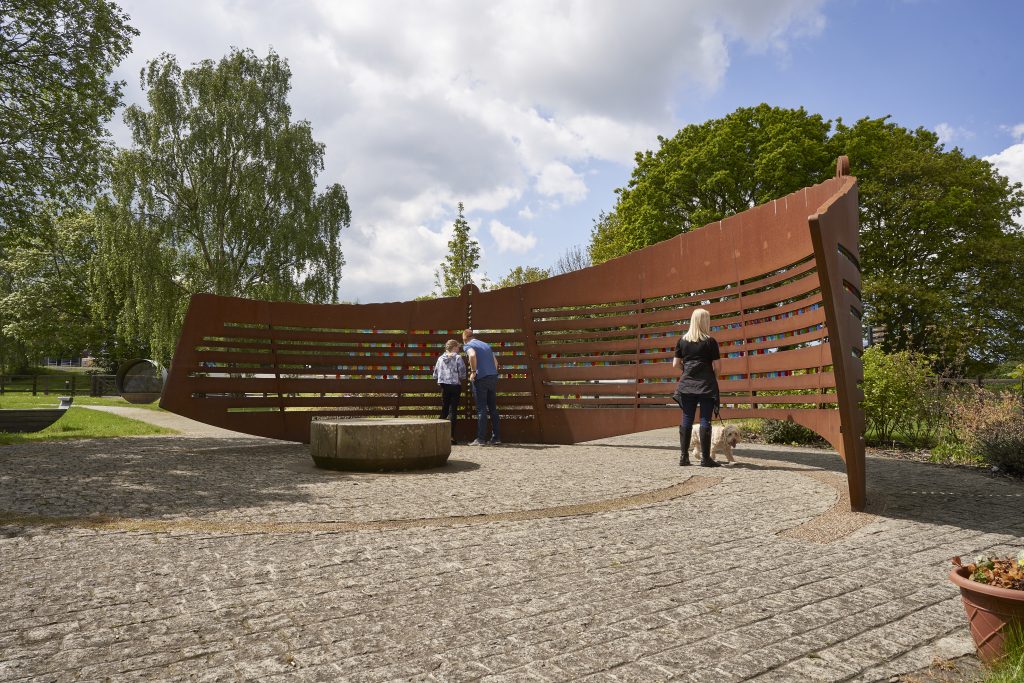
<point>993,593</point>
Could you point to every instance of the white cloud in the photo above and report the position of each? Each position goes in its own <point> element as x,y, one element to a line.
<point>1010,162</point>
<point>390,262</point>
<point>559,181</point>
<point>508,239</point>
<point>423,105</point>
<point>945,132</point>
<point>1018,132</point>
<point>948,133</point>
<point>526,213</point>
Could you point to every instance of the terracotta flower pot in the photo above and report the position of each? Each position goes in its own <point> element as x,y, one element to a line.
<point>989,610</point>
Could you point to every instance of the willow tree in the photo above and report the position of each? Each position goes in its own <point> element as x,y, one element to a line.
<point>217,194</point>
<point>45,308</point>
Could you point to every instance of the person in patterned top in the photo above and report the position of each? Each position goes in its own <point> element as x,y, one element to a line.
<point>450,373</point>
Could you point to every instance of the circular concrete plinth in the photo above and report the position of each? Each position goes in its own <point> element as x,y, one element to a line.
<point>386,445</point>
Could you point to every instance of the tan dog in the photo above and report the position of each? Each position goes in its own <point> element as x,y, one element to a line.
<point>723,440</point>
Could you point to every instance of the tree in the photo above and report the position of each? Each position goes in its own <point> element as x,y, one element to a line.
<point>456,271</point>
<point>938,238</point>
<point>900,396</point>
<point>55,99</point>
<point>574,258</point>
<point>712,170</point>
<point>13,354</point>
<point>217,194</point>
<point>520,276</point>
<point>938,245</point>
<point>46,308</point>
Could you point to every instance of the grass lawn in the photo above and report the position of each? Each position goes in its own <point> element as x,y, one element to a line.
<point>82,423</point>
<point>19,400</point>
<point>1011,668</point>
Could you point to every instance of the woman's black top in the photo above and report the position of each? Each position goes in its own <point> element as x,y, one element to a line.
<point>698,373</point>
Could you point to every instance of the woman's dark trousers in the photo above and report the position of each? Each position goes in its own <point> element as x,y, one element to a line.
<point>689,404</point>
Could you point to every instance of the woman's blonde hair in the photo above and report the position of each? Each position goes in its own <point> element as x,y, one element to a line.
<point>452,345</point>
<point>700,326</point>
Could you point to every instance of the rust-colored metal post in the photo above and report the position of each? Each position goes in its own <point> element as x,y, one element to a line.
<point>834,232</point>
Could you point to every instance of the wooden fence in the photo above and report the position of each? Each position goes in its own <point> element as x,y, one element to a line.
<point>70,384</point>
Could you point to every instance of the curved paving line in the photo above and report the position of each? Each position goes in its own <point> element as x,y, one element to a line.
<point>835,523</point>
<point>107,523</point>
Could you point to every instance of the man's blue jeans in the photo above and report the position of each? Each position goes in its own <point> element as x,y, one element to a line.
<point>485,393</point>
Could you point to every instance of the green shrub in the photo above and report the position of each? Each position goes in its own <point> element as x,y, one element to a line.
<point>1000,433</point>
<point>902,397</point>
<point>1017,372</point>
<point>750,428</point>
<point>985,424</point>
<point>952,451</point>
<point>788,432</point>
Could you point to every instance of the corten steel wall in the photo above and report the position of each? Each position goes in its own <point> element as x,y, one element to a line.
<point>583,355</point>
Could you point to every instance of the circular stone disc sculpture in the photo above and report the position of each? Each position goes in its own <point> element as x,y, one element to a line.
<point>386,445</point>
<point>140,381</point>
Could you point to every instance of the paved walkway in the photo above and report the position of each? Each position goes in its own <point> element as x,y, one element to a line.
<point>162,418</point>
<point>230,558</point>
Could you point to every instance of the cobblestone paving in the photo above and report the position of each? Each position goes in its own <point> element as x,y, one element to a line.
<point>709,586</point>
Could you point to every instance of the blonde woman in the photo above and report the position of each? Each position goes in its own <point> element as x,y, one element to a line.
<point>697,353</point>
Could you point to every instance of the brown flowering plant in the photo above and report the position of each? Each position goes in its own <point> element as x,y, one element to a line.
<point>1007,572</point>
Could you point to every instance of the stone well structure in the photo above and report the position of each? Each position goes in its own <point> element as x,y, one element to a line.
<point>380,445</point>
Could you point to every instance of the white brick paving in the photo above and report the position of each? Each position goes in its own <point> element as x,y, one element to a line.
<point>697,588</point>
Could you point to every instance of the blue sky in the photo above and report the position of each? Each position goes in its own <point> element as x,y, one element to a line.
<point>529,111</point>
<point>925,63</point>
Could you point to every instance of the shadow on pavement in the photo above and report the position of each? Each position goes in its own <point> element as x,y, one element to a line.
<point>160,477</point>
<point>917,491</point>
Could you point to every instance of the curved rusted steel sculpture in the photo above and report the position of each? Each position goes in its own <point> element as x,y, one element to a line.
<point>584,355</point>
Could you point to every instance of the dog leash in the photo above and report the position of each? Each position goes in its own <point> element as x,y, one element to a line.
<point>717,411</point>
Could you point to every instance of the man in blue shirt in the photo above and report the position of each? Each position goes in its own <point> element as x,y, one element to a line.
<point>483,377</point>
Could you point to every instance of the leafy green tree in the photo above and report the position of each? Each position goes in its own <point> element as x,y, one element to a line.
<point>712,170</point>
<point>460,263</point>
<point>55,99</point>
<point>217,194</point>
<point>521,275</point>
<point>13,354</point>
<point>46,308</point>
<point>938,245</point>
